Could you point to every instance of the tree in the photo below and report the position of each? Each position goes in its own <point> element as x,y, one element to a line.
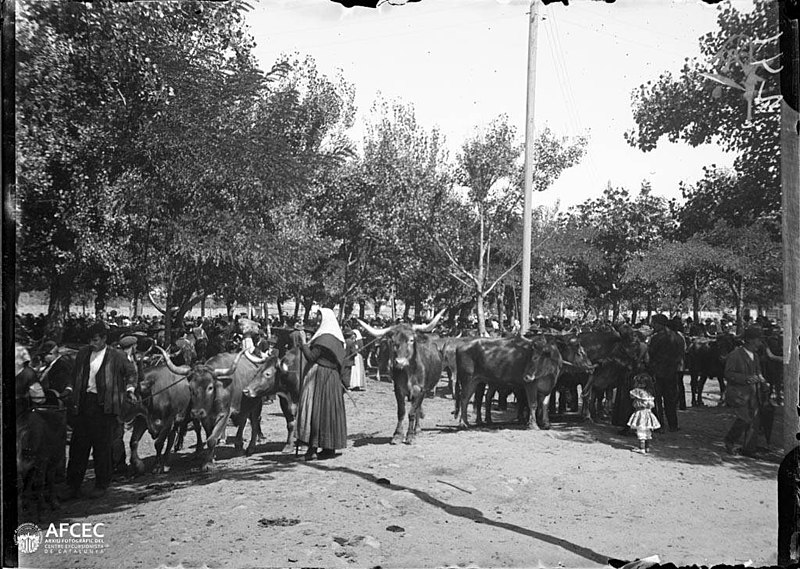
<point>612,231</point>
<point>694,109</point>
<point>475,218</point>
<point>688,267</point>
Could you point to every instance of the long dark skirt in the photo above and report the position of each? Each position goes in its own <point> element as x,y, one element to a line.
<point>623,405</point>
<point>321,420</point>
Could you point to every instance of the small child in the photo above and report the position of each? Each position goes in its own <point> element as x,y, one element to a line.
<point>643,421</point>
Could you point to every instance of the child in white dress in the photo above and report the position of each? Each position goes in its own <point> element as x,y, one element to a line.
<point>643,420</point>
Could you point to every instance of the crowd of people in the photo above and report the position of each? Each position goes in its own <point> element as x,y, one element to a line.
<point>105,373</point>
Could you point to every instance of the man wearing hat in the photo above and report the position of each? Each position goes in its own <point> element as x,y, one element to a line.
<point>665,354</point>
<point>57,367</point>
<point>745,390</point>
<point>102,379</point>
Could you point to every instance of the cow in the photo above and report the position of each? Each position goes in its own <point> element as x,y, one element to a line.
<point>415,367</point>
<point>279,377</point>
<point>41,437</point>
<point>617,356</point>
<point>447,350</point>
<point>217,389</point>
<point>162,408</point>
<point>576,371</point>
<point>706,360</point>
<point>516,362</point>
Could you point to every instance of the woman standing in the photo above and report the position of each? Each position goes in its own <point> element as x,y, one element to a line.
<point>321,420</point>
<point>358,373</point>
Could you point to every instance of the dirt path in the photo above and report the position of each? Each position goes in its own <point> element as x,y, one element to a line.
<point>573,496</point>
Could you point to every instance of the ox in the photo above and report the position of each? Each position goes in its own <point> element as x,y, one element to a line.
<point>416,367</point>
<point>514,362</point>
<point>617,357</point>
<point>217,394</point>
<point>576,371</point>
<point>280,377</point>
<point>41,436</point>
<point>447,350</point>
<point>162,408</point>
<point>705,359</point>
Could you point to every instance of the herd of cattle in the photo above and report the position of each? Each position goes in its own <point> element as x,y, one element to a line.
<point>206,395</point>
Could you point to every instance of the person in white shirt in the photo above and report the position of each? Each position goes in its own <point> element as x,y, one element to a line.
<point>102,379</point>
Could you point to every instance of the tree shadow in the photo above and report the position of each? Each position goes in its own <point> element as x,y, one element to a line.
<point>473,514</point>
<point>700,440</point>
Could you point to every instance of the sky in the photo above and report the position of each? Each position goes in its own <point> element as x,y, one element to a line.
<point>461,63</point>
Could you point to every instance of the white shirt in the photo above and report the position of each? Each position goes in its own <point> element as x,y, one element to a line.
<point>95,361</point>
<point>748,352</point>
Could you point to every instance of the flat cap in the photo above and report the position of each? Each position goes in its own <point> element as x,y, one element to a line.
<point>128,341</point>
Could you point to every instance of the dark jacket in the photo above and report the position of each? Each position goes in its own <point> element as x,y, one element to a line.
<point>116,373</point>
<point>665,353</point>
<point>743,396</point>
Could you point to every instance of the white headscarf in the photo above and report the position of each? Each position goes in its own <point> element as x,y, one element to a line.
<point>329,325</point>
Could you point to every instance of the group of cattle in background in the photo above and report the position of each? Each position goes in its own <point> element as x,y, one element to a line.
<point>543,369</point>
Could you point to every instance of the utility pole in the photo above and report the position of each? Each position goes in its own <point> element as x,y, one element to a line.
<point>527,214</point>
<point>790,185</point>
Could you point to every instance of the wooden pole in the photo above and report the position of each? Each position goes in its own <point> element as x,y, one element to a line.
<point>525,315</point>
<point>790,184</point>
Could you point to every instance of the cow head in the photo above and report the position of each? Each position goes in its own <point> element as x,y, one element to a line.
<point>546,360</point>
<point>399,340</point>
<point>265,379</point>
<point>574,356</point>
<point>202,381</point>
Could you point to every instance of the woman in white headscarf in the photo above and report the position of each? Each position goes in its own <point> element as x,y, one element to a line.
<point>321,420</point>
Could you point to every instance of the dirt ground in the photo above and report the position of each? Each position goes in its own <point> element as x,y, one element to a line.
<point>503,496</point>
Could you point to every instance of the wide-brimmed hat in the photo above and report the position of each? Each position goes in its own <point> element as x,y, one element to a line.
<point>659,319</point>
<point>753,333</point>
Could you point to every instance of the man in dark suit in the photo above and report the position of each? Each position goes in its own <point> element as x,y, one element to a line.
<point>665,354</point>
<point>746,392</point>
<point>102,380</point>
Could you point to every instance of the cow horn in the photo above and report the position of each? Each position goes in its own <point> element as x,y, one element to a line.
<point>430,325</point>
<point>257,361</point>
<point>229,371</point>
<point>177,370</point>
<point>377,332</point>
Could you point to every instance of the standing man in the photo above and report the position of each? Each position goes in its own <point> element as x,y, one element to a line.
<point>296,339</point>
<point>746,391</point>
<point>118,462</point>
<point>665,355</point>
<point>103,378</point>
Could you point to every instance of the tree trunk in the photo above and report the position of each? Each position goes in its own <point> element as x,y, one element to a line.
<point>203,308</point>
<point>634,314</point>
<point>739,294</point>
<point>407,310</point>
<point>308,303</point>
<point>378,305</point>
<point>418,307</point>
<point>649,308</point>
<point>615,311</point>
<point>168,318</point>
<point>229,306</point>
<point>57,311</point>
<point>362,309</point>
<point>501,316</point>
<point>297,303</point>
<point>100,299</point>
<point>481,314</point>
<point>279,305</point>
